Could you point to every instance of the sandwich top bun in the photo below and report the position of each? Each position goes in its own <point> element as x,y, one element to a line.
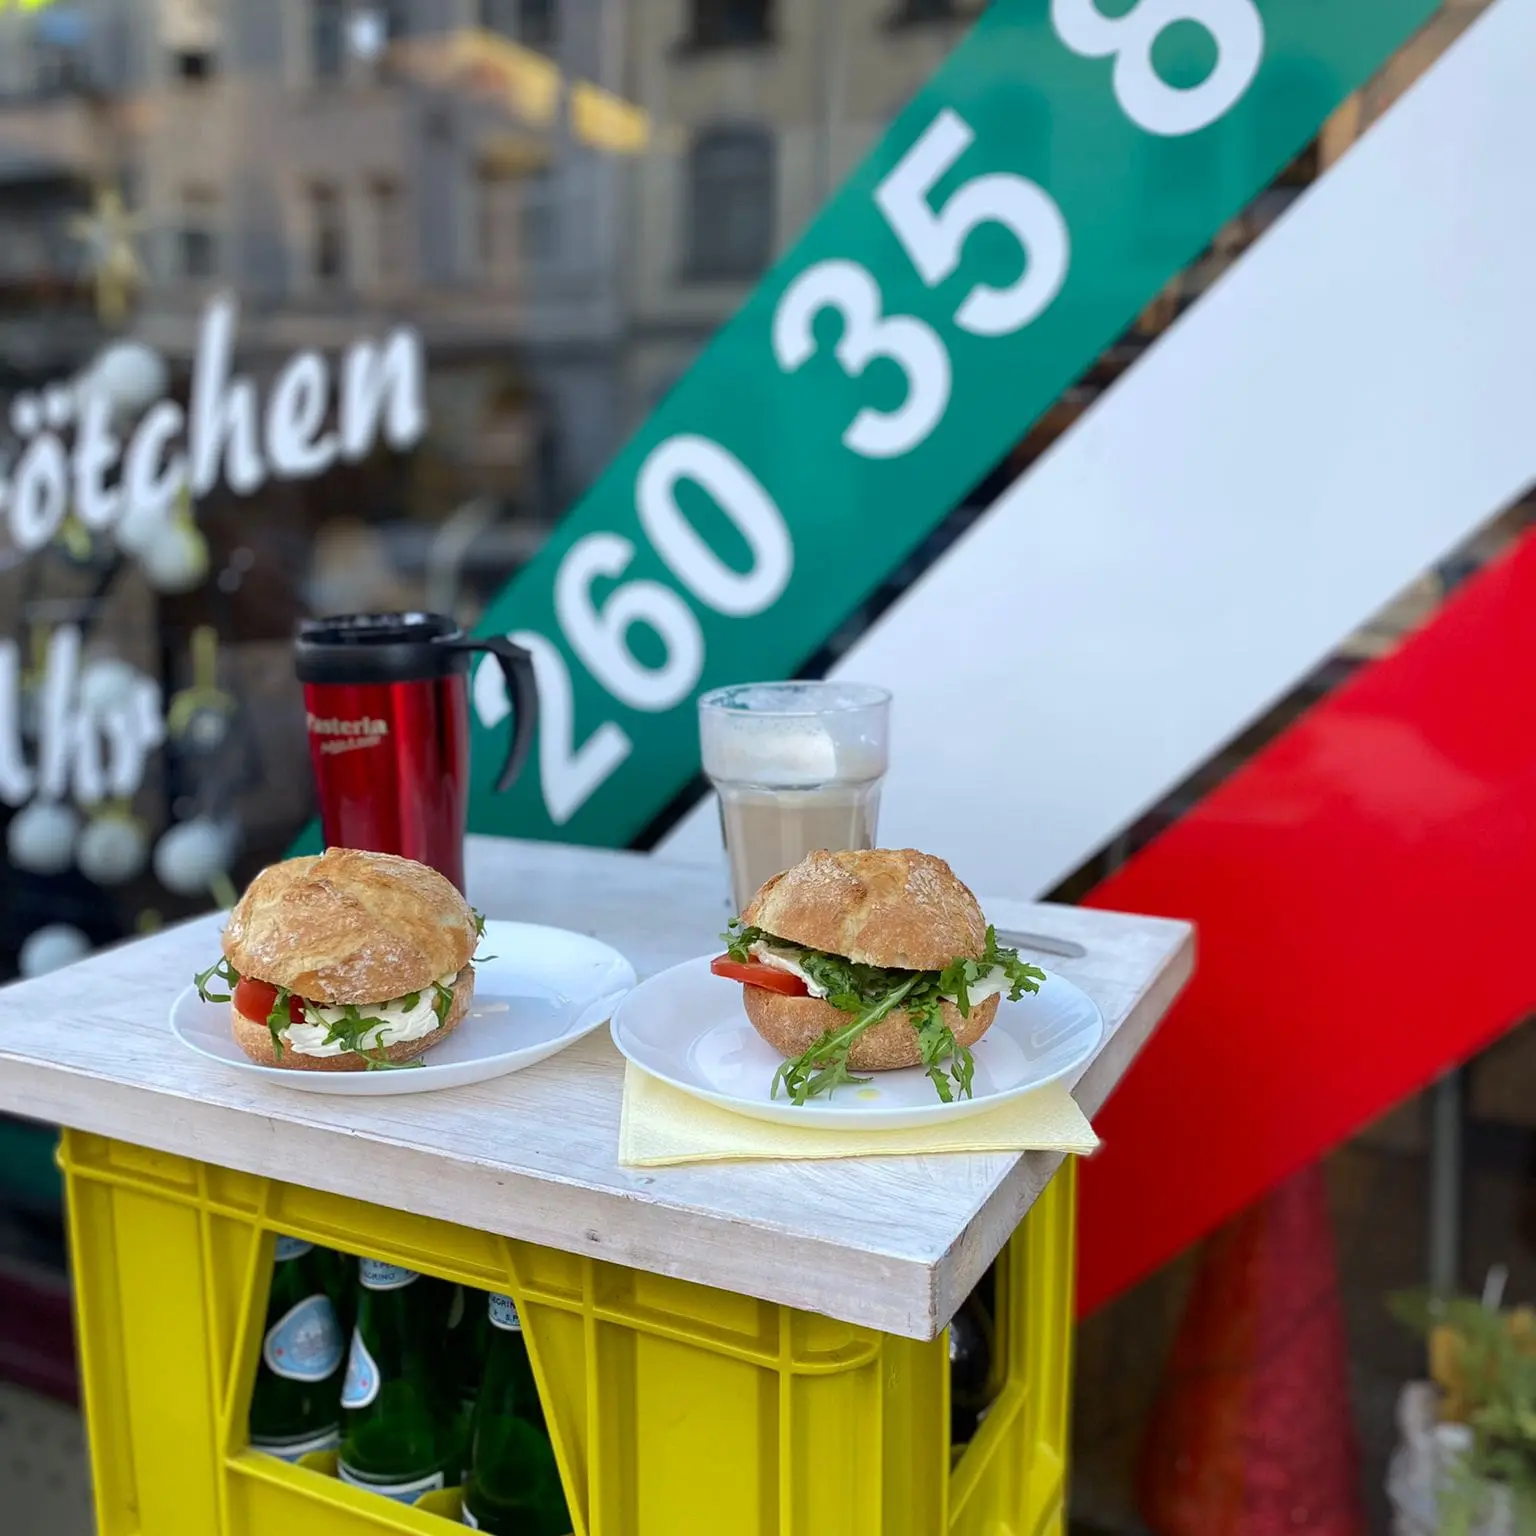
<point>891,907</point>
<point>350,927</point>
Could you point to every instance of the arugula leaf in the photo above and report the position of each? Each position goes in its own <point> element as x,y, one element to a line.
<point>226,973</point>
<point>384,1064</point>
<point>353,1028</point>
<point>442,1002</point>
<point>870,993</point>
<point>825,1065</point>
<point>738,941</point>
<point>480,959</point>
<point>278,1020</point>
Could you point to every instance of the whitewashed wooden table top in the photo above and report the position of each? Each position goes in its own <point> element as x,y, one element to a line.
<point>893,1243</point>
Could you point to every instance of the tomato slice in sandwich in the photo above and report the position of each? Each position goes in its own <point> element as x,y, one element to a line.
<point>752,974</point>
<point>254,999</point>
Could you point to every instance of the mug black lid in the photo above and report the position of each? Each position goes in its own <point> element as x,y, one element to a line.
<point>379,648</point>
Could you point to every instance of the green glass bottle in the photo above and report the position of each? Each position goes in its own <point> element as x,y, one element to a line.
<point>473,1346</point>
<point>339,1271</point>
<point>514,1486</point>
<point>970,1369</point>
<point>397,1439</point>
<point>294,1407</point>
<point>459,1373</point>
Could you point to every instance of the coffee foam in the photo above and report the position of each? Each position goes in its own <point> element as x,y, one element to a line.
<point>789,754</point>
<point>794,735</point>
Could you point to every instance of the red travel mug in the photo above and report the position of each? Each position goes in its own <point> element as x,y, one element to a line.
<point>387,698</point>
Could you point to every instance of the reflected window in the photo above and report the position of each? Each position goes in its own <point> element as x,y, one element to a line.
<point>389,231</point>
<point>913,12</point>
<point>536,23</point>
<point>497,196</point>
<point>60,50</point>
<point>498,16</point>
<point>731,194</point>
<point>197,240</point>
<point>193,64</point>
<point>328,250</point>
<point>397,20</point>
<point>720,22</point>
<point>528,21</point>
<point>23,250</point>
<point>328,25</point>
<point>539,220</point>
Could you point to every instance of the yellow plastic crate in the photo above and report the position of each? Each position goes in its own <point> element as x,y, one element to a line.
<point>675,1409</point>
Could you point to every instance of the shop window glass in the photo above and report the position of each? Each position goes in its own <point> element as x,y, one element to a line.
<point>731,203</point>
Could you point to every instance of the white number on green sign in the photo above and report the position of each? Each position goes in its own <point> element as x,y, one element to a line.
<point>569,774</point>
<point>600,638</point>
<point>935,241</point>
<point>742,498</point>
<point>1145,98</point>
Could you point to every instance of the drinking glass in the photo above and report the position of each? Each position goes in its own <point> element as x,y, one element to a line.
<point>797,766</point>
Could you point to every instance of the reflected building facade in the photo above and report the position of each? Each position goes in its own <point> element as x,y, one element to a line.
<point>759,109</point>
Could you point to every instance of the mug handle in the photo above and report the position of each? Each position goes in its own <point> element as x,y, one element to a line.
<point>523,691</point>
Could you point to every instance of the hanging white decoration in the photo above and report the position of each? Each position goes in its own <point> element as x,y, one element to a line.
<point>175,558</point>
<point>129,375</point>
<point>41,837</point>
<point>52,948</point>
<point>112,848</point>
<point>190,857</point>
<point>107,684</point>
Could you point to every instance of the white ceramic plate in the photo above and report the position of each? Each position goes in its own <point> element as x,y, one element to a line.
<point>540,989</point>
<point>687,1027</point>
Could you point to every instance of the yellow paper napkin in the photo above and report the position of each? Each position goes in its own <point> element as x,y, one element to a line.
<point>661,1126</point>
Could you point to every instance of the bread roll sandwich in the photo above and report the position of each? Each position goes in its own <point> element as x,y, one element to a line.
<point>870,961</point>
<point>345,962</point>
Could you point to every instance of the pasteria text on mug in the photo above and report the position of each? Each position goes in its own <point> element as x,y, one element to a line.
<point>605,584</point>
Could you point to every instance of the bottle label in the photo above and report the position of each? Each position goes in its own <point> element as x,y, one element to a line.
<point>379,1276</point>
<point>292,1450</point>
<point>504,1314</point>
<point>456,1309</point>
<point>401,1493</point>
<point>291,1248</point>
<point>305,1343</point>
<point>361,1384</point>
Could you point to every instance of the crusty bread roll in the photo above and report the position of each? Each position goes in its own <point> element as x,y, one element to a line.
<point>792,1025</point>
<point>891,907</point>
<point>255,1039</point>
<point>350,927</point>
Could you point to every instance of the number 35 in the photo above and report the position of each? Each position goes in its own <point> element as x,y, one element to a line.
<point>934,240</point>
